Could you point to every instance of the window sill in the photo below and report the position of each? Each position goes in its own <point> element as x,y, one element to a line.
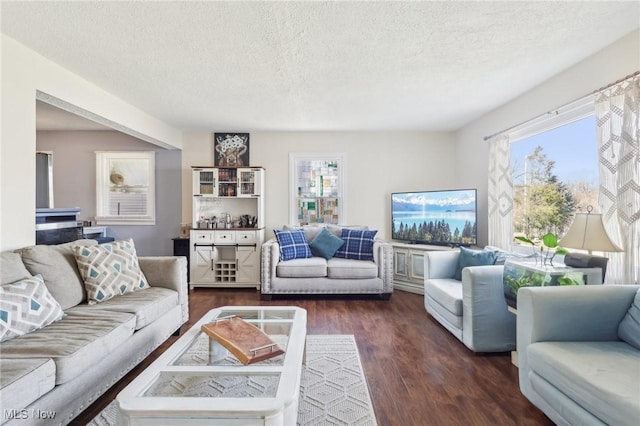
<point>124,221</point>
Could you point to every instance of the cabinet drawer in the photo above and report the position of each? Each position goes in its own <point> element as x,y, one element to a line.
<point>224,237</point>
<point>202,236</point>
<point>245,237</point>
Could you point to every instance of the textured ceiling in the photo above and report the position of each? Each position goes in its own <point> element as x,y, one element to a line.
<point>318,65</point>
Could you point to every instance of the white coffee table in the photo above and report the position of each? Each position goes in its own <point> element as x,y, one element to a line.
<point>192,383</point>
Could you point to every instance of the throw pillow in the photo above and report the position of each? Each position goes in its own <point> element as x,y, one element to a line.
<point>58,267</point>
<point>473,258</point>
<point>293,244</point>
<point>629,328</point>
<point>358,244</point>
<point>26,306</point>
<point>325,244</point>
<point>109,270</point>
<point>310,231</point>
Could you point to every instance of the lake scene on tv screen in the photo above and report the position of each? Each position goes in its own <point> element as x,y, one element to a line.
<point>435,216</point>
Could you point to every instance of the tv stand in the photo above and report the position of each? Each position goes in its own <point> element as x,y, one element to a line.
<point>408,265</point>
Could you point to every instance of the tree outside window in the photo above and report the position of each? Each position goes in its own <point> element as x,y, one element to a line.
<point>555,175</point>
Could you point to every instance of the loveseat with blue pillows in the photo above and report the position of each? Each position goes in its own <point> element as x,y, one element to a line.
<point>326,260</point>
<point>75,318</point>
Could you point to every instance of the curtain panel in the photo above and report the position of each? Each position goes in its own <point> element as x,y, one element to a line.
<point>618,129</point>
<point>500,191</point>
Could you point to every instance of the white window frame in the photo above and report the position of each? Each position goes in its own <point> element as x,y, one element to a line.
<point>104,161</point>
<point>574,111</point>
<point>294,159</point>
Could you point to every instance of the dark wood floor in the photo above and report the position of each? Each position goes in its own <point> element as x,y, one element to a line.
<point>418,373</point>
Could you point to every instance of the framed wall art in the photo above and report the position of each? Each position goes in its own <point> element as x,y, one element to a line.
<point>231,149</point>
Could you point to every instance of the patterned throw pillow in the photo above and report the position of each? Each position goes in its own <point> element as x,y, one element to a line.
<point>358,244</point>
<point>109,270</point>
<point>293,244</point>
<point>26,306</point>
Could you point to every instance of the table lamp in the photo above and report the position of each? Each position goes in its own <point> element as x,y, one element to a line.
<point>587,233</point>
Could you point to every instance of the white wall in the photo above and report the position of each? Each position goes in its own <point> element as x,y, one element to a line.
<point>23,73</point>
<point>74,183</point>
<point>610,64</point>
<point>377,164</point>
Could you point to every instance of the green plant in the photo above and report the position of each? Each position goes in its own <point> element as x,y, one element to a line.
<point>549,242</point>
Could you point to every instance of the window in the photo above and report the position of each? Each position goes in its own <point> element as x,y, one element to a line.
<point>317,188</point>
<point>555,175</point>
<point>125,188</point>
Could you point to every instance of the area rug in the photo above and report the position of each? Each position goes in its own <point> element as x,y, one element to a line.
<point>333,389</point>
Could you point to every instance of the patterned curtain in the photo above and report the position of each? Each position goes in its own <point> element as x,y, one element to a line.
<point>618,127</point>
<point>500,193</point>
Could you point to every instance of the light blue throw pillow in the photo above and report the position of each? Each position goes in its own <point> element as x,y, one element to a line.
<point>325,244</point>
<point>474,258</point>
<point>629,328</point>
<point>293,244</point>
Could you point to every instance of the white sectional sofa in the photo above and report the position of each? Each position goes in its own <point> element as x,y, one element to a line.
<point>319,276</point>
<point>59,370</point>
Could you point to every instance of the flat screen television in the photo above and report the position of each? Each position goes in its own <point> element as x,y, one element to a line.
<point>446,217</point>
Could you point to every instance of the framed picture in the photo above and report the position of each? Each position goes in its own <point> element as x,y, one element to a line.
<point>231,149</point>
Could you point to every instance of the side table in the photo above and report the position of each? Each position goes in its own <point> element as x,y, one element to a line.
<point>533,274</point>
<point>181,248</point>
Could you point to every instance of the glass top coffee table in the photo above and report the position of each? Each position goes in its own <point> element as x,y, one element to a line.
<point>196,381</point>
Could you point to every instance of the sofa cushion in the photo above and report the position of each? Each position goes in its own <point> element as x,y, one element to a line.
<point>337,229</point>
<point>293,244</point>
<point>11,268</point>
<point>629,328</point>
<point>22,381</point>
<point>109,270</point>
<point>325,244</point>
<point>76,343</point>
<point>312,267</point>
<point>603,376</point>
<point>358,244</point>
<point>448,293</point>
<point>58,267</point>
<point>473,258</point>
<point>310,231</point>
<point>147,305</point>
<point>26,306</point>
<point>348,268</point>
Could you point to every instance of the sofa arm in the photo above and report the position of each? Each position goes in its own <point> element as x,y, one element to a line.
<point>572,313</point>
<point>488,326</point>
<point>383,258</point>
<point>269,262</point>
<point>440,264</point>
<point>168,272</point>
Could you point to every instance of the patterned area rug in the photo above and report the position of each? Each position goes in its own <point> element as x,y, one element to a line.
<point>333,389</point>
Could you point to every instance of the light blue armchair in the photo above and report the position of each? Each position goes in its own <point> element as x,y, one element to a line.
<point>578,364</point>
<point>474,309</point>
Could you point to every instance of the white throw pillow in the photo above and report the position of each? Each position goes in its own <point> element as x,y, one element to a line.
<point>26,306</point>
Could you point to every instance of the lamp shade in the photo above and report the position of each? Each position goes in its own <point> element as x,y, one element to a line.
<point>587,233</point>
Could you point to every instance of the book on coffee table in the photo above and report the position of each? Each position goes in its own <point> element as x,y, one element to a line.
<point>244,340</point>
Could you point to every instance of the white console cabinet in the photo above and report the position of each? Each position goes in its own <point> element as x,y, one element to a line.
<point>228,227</point>
<point>408,265</point>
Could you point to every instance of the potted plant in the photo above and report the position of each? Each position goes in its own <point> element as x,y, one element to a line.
<point>550,243</point>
